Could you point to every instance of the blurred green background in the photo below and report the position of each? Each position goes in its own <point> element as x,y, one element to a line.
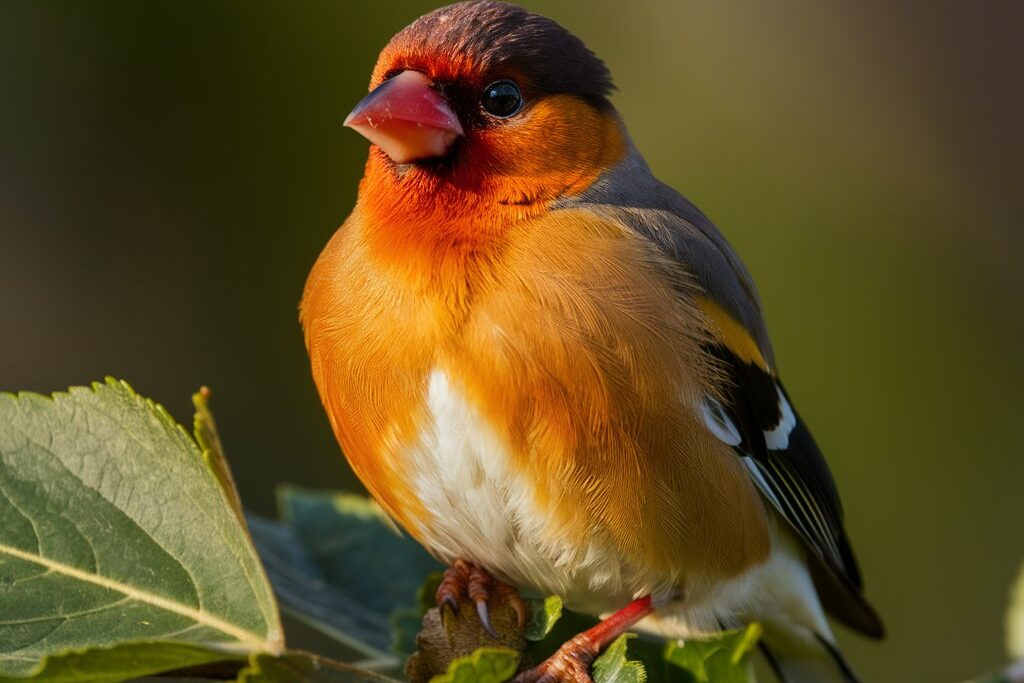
<point>170,170</point>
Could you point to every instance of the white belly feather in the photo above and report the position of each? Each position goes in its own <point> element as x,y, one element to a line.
<point>483,510</point>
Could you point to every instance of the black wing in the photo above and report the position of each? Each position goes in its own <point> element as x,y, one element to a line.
<point>758,421</point>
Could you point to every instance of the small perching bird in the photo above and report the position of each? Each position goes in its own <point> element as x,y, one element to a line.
<point>553,371</point>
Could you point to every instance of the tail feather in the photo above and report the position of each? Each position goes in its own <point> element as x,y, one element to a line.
<point>797,659</point>
<point>798,642</point>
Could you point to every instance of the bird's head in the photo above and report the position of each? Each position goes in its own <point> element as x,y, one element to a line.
<point>483,105</point>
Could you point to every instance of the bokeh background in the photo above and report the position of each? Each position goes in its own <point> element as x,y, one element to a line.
<point>170,170</point>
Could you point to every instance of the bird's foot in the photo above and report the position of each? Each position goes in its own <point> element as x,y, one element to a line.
<point>570,664</point>
<point>465,579</point>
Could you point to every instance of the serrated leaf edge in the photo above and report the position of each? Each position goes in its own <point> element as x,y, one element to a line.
<point>272,643</point>
<point>204,431</point>
<point>474,661</point>
<point>542,604</point>
<point>620,648</point>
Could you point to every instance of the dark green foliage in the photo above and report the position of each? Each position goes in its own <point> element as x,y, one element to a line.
<point>124,554</point>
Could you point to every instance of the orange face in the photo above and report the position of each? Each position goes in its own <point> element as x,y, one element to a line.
<point>471,148</point>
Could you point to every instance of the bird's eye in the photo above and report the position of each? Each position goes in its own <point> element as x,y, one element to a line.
<point>502,98</point>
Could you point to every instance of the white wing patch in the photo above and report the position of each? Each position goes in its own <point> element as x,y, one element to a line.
<point>778,439</point>
<point>716,419</point>
<point>722,426</point>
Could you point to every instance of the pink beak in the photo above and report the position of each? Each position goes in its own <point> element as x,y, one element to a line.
<point>407,118</point>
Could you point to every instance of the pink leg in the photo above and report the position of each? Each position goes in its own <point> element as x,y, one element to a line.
<point>572,661</point>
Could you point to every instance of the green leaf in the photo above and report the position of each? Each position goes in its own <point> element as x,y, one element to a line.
<point>340,565</point>
<point>205,430</point>
<point>114,531</point>
<point>613,666</point>
<point>426,594</point>
<point>543,615</point>
<point>304,593</point>
<point>723,659</point>
<point>117,663</point>
<point>561,630</point>
<point>486,665</point>
<point>300,667</point>
<point>359,549</point>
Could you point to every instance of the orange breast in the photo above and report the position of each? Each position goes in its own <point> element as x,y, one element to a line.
<point>577,344</point>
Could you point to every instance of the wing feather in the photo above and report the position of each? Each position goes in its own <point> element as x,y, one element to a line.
<point>792,475</point>
<point>756,418</point>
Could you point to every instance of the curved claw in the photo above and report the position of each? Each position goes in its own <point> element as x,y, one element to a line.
<point>447,601</point>
<point>520,607</point>
<point>483,612</point>
<point>450,601</point>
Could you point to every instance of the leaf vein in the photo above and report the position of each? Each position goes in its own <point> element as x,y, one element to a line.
<point>67,615</point>
<point>158,601</point>
<point>190,445</point>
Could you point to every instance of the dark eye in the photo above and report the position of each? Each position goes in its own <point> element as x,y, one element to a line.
<point>502,98</point>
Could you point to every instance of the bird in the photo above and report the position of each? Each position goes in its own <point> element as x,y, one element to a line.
<point>553,371</point>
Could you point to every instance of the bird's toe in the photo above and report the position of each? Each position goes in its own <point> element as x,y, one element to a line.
<point>570,664</point>
<point>466,580</point>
